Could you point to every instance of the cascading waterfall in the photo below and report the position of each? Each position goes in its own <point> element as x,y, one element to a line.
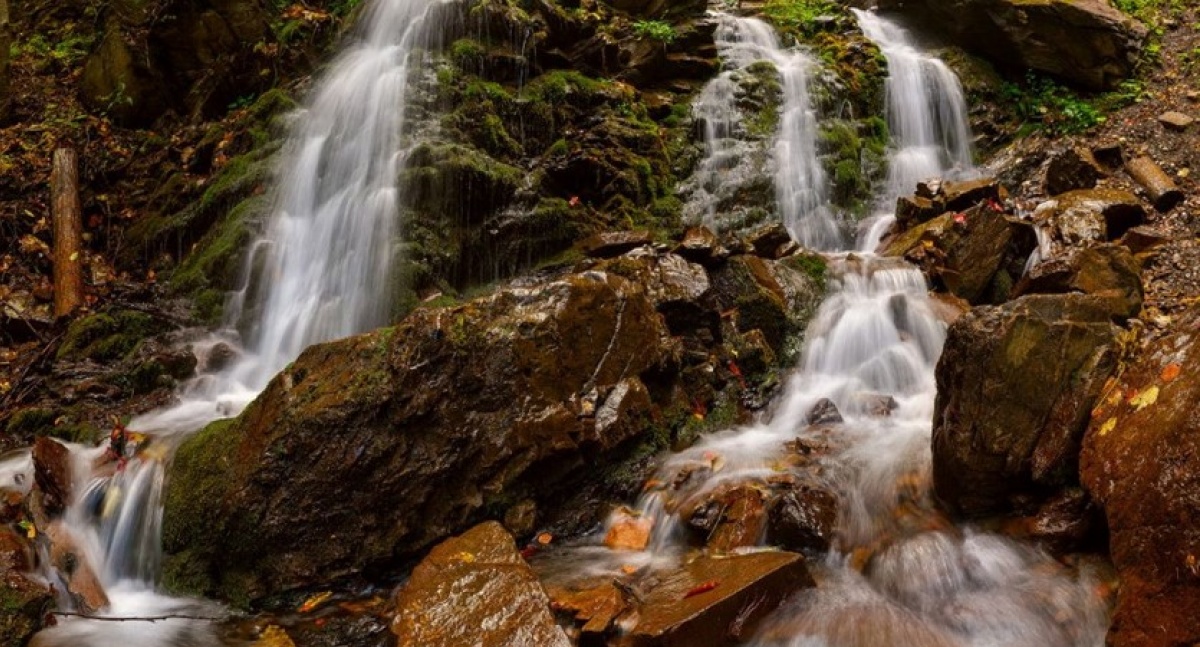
<point>800,184</point>
<point>899,572</point>
<point>320,272</point>
<point>927,116</point>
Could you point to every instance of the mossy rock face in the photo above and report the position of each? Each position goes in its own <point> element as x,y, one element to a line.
<point>108,336</point>
<point>358,440</point>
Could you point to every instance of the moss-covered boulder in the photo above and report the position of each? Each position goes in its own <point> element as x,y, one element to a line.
<point>1016,387</point>
<point>366,451</point>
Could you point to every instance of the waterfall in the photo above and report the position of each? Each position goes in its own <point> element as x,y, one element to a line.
<point>927,116</point>
<point>320,271</point>
<point>899,572</point>
<point>801,188</point>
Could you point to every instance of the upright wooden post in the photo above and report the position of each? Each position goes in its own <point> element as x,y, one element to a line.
<point>5,44</point>
<point>68,232</point>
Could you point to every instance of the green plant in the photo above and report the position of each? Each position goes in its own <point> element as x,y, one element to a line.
<point>655,30</point>
<point>1040,102</point>
<point>801,15</point>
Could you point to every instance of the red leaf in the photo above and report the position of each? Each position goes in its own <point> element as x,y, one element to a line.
<point>702,588</point>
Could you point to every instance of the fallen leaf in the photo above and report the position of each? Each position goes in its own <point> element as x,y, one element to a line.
<point>701,588</point>
<point>315,601</point>
<point>1108,426</point>
<point>1144,399</point>
<point>629,531</point>
<point>274,636</point>
<point>545,538</point>
<point>629,569</point>
<point>1170,372</point>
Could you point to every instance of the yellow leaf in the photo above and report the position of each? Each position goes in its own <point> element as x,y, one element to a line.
<point>315,601</point>
<point>274,636</point>
<point>1108,426</point>
<point>74,256</point>
<point>1145,398</point>
<point>466,557</point>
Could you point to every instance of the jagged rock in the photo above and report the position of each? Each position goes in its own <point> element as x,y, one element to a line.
<point>1108,272</point>
<point>701,245</point>
<point>1141,462</point>
<point>1070,170</point>
<point>771,241</point>
<point>803,518</point>
<point>823,412</point>
<point>1176,121</point>
<point>53,474</point>
<point>968,252</point>
<point>1016,384</point>
<point>741,521</point>
<point>475,589</point>
<point>1110,154</point>
<point>1086,42</point>
<point>1143,239</point>
<point>710,601</point>
<point>615,243</point>
<point>914,210</point>
<point>460,411</point>
<point>595,609</point>
<point>1063,524</point>
<point>15,552</point>
<point>1092,215</point>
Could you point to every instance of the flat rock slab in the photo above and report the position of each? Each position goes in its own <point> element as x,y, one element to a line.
<point>717,601</point>
<point>614,243</point>
<point>1175,120</point>
<point>475,589</point>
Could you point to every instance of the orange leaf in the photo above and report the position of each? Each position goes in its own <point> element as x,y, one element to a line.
<point>545,538</point>
<point>1170,372</point>
<point>702,588</point>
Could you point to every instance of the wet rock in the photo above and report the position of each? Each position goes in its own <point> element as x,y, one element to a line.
<point>614,243</point>
<point>24,604</point>
<point>1110,154</point>
<point>701,245</point>
<point>875,404</point>
<point>594,609</point>
<point>742,519</point>
<point>914,210</point>
<point>219,357</point>
<point>1016,384</point>
<point>1064,523</point>
<point>823,412</point>
<point>964,194</point>
<point>355,423</point>
<point>628,530</point>
<point>1176,121</point>
<point>1086,42</point>
<point>1108,272</point>
<point>53,474</point>
<point>12,505</point>
<point>803,518</point>
<point>1093,215</point>
<point>771,241</point>
<point>1141,240</point>
<point>72,564</point>
<point>967,252</point>
<point>948,307</point>
<point>710,601</point>
<point>475,589</point>
<point>1070,170</point>
<point>15,552</point>
<point>1141,462</point>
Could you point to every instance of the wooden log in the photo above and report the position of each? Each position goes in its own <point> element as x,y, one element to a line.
<point>68,232</point>
<point>1163,192</point>
<point>5,45</point>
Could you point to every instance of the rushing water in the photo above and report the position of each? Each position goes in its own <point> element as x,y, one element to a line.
<point>926,114</point>
<point>800,185</point>
<point>899,572</point>
<point>319,272</point>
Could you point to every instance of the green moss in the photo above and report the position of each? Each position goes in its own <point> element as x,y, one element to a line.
<point>214,265</point>
<point>467,53</point>
<point>108,336</point>
<point>559,147</point>
<point>30,422</point>
<point>813,265</point>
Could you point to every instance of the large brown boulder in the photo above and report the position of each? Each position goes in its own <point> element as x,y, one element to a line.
<point>1016,384</point>
<point>1085,42</point>
<point>1141,461</point>
<point>1108,272</point>
<point>475,589</point>
<point>366,451</point>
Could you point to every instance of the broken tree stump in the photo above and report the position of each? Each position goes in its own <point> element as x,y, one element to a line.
<point>1163,192</point>
<point>68,232</point>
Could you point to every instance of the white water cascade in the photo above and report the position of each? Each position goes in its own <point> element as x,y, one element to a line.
<point>927,116</point>
<point>319,272</point>
<point>899,572</point>
<point>800,184</point>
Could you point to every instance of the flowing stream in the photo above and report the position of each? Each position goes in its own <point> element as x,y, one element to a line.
<point>319,272</point>
<point>899,572</point>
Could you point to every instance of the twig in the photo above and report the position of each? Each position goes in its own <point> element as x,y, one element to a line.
<point>179,616</point>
